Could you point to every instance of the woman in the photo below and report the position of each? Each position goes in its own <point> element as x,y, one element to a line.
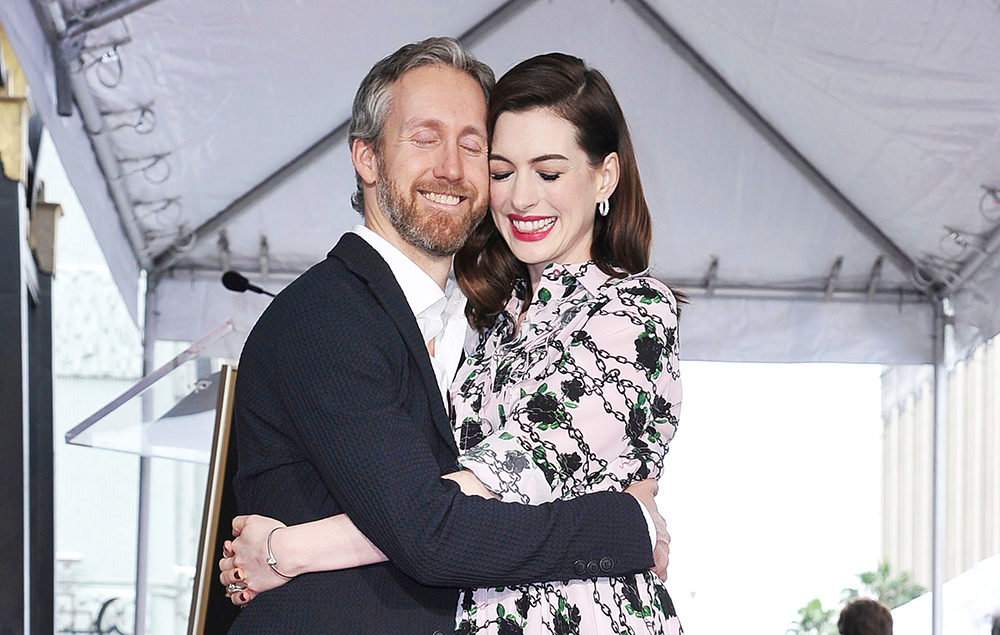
<point>574,384</point>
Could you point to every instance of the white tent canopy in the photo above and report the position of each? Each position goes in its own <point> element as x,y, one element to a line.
<point>822,174</point>
<point>820,153</point>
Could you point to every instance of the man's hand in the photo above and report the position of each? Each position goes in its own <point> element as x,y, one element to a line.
<point>644,491</point>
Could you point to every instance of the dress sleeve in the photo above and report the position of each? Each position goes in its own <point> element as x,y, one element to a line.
<point>603,414</point>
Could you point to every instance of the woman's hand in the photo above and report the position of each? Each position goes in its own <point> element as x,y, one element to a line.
<point>244,562</point>
<point>469,484</point>
<point>645,491</point>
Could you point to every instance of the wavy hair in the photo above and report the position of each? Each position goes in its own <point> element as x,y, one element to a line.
<point>485,267</point>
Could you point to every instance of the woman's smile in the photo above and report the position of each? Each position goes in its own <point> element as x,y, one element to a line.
<point>531,228</point>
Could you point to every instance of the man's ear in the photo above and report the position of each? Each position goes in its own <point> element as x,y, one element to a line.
<point>607,177</point>
<point>365,163</point>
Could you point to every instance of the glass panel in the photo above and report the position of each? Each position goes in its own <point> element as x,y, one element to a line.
<point>169,413</point>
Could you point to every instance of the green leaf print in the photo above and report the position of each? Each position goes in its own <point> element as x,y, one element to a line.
<point>506,436</point>
<point>544,295</point>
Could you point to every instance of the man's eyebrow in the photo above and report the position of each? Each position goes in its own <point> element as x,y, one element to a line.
<point>474,130</point>
<point>416,122</point>
<point>438,125</point>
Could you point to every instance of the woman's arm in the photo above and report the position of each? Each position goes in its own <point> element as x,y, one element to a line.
<point>330,544</point>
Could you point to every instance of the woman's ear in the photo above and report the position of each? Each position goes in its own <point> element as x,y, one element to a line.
<point>607,177</point>
<point>365,162</point>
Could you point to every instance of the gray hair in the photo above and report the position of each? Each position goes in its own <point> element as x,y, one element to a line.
<point>371,104</point>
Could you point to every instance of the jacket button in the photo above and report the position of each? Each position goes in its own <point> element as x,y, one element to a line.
<point>607,564</point>
<point>593,568</point>
<point>438,632</point>
<point>580,567</point>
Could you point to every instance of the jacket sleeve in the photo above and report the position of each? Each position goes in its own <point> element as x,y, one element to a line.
<point>340,380</point>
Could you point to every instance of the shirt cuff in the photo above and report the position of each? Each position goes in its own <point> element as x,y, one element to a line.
<point>649,525</point>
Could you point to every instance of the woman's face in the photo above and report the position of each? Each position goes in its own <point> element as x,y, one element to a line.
<point>544,192</point>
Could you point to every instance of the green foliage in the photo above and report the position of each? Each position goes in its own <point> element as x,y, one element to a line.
<point>882,586</point>
<point>814,620</point>
<point>879,584</point>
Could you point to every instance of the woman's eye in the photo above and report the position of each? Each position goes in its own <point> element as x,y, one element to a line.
<point>499,176</point>
<point>549,176</point>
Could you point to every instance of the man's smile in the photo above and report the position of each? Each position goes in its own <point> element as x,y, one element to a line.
<point>442,199</point>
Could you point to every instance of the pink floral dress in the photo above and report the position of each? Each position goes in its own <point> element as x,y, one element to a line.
<point>583,396</point>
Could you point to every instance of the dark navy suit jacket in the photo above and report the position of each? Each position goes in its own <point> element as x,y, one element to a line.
<point>337,410</point>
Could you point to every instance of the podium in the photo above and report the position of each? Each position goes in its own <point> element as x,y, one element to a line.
<point>183,411</point>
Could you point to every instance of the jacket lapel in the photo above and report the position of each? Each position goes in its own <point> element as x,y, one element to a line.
<point>368,265</point>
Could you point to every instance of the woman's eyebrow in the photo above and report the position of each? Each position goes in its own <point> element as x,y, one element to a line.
<point>548,157</point>
<point>544,157</point>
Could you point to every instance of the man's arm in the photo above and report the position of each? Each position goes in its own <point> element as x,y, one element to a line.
<point>343,400</point>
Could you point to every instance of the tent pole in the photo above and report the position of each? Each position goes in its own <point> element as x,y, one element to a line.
<point>145,467</point>
<point>942,320</point>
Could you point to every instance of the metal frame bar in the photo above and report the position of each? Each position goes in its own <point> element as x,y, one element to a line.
<point>942,321</point>
<point>102,14</point>
<point>714,79</point>
<point>804,294</point>
<point>73,86</point>
<point>145,466</point>
<point>168,257</point>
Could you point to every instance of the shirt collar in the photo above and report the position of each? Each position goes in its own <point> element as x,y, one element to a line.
<point>586,274</point>
<point>419,288</point>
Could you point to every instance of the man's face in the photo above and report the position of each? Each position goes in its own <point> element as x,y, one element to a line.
<point>432,182</point>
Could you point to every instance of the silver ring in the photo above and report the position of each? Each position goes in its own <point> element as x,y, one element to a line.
<point>234,588</point>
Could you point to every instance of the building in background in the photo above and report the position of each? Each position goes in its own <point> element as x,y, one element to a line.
<point>973,464</point>
<point>97,354</point>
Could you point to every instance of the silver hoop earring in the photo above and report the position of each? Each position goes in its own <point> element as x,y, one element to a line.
<point>603,207</point>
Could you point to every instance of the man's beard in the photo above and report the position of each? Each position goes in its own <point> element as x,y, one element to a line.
<point>434,231</point>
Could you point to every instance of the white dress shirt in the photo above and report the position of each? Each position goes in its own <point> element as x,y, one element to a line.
<point>441,318</point>
<point>440,314</point>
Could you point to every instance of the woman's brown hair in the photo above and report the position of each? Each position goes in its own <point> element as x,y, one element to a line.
<point>485,267</point>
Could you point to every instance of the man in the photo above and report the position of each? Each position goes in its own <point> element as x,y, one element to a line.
<point>341,398</point>
<point>865,617</point>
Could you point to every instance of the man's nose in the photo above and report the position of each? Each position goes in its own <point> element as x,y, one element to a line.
<point>449,165</point>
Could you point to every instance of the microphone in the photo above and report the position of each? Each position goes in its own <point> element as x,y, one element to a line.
<point>234,281</point>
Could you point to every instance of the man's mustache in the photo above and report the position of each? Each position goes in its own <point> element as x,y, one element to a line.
<point>444,187</point>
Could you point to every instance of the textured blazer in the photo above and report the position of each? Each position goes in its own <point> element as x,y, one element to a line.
<point>337,410</point>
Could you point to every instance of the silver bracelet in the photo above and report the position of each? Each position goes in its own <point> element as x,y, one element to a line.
<point>271,562</point>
